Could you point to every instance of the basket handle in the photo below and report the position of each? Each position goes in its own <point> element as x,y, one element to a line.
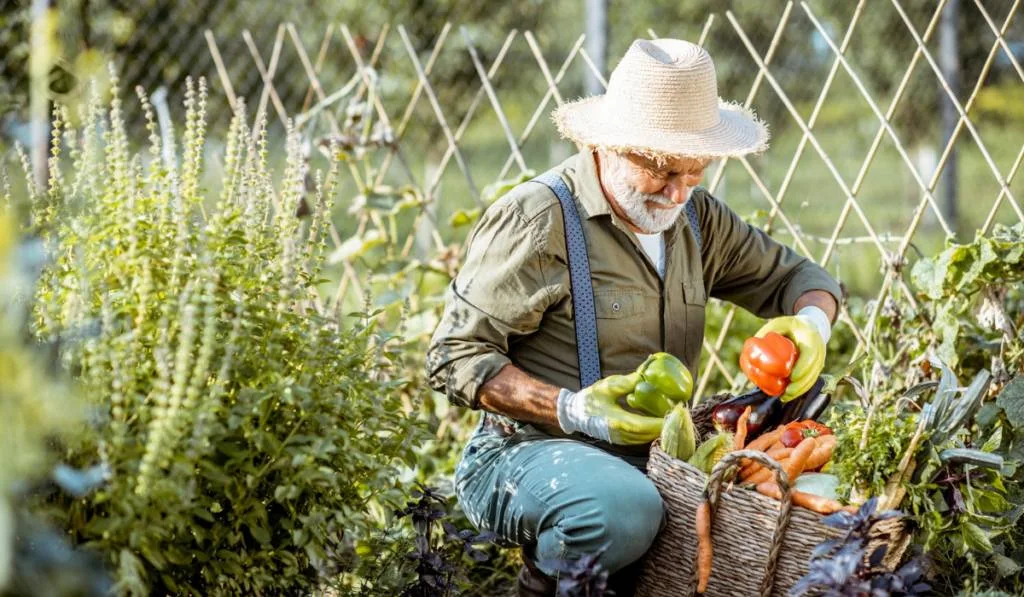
<point>725,470</point>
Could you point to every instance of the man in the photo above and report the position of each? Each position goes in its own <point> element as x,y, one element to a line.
<point>556,465</point>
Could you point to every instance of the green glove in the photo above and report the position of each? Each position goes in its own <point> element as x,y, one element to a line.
<point>597,412</point>
<point>809,342</point>
<point>665,381</point>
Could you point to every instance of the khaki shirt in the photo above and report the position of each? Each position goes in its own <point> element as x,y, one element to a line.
<point>510,302</point>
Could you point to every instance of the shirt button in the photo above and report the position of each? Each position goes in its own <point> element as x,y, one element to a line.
<point>616,307</point>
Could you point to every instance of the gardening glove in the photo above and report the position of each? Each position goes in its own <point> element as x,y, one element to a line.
<point>596,411</point>
<point>809,330</point>
<point>664,382</point>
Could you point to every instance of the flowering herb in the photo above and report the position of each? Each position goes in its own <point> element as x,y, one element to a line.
<point>582,577</point>
<point>844,567</point>
<point>438,553</point>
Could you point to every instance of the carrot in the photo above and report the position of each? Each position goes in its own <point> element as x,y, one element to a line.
<point>764,441</point>
<point>822,452</point>
<point>798,459</point>
<point>778,454</point>
<point>704,548</point>
<point>749,469</point>
<point>816,503</point>
<point>740,438</point>
<point>763,475</point>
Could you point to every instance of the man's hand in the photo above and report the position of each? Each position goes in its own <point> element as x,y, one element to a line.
<point>809,329</point>
<point>596,411</point>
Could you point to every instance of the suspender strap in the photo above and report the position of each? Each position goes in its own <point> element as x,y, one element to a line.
<point>581,286</point>
<point>691,214</point>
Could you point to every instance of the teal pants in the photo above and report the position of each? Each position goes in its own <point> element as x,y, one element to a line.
<point>558,498</point>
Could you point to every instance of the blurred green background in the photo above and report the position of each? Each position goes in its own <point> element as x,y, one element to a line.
<point>157,44</point>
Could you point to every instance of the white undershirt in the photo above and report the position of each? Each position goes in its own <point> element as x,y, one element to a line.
<point>654,246</point>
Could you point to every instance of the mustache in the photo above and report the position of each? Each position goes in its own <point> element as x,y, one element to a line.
<point>659,200</point>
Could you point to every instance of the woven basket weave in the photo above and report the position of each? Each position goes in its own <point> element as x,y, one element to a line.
<point>761,546</point>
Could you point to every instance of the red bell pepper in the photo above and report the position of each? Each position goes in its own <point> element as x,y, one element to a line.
<point>768,362</point>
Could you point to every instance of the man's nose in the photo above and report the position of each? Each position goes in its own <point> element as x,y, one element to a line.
<point>678,189</point>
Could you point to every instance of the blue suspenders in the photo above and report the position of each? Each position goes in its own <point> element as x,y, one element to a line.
<point>579,275</point>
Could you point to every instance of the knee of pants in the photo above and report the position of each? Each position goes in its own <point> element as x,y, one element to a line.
<point>625,518</point>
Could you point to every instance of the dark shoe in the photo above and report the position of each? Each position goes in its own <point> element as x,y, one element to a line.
<point>534,583</point>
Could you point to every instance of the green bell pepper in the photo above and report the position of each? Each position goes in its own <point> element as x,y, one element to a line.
<point>668,374</point>
<point>646,397</point>
<point>664,382</point>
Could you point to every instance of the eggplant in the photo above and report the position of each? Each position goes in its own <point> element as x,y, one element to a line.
<point>808,405</point>
<point>815,401</point>
<point>765,412</point>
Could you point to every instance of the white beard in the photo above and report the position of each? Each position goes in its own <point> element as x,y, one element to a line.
<point>634,203</point>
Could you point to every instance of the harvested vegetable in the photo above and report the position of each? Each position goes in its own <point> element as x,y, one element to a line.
<point>740,438</point>
<point>678,434</point>
<point>646,398</point>
<point>779,452</point>
<point>812,502</point>
<point>815,401</point>
<point>798,460</point>
<point>764,441</point>
<point>763,474</point>
<point>824,444</point>
<point>820,484</point>
<point>797,431</point>
<point>780,455</point>
<point>668,375</point>
<point>768,362</point>
<point>705,552</point>
<point>766,412</point>
<point>711,451</point>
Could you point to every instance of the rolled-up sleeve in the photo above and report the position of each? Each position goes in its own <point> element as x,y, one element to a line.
<point>745,266</point>
<point>500,294</point>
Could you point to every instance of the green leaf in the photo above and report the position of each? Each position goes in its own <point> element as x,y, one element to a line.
<point>260,534</point>
<point>1011,400</point>
<point>976,538</point>
<point>929,275</point>
<point>1005,566</point>
<point>496,190</point>
<point>987,415</point>
<point>357,246</point>
<point>985,255</point>
<point>464,218</point>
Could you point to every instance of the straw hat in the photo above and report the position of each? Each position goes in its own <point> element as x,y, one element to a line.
<point>662,101</point>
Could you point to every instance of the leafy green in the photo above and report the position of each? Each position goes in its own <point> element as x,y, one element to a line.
<point>1011,400</point>
<point>867,471</point>
<point>253,436</point>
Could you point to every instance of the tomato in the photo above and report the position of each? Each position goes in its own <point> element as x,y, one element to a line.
<point>792,436</point>
<point>797,431</point>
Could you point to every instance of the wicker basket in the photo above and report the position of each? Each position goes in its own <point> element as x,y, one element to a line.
<point>761,546</point>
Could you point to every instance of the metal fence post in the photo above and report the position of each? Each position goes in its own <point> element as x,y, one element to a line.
<point>949,60</point>
<point>597,43</point>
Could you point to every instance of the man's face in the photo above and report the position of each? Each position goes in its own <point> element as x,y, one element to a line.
<point>650,195</point>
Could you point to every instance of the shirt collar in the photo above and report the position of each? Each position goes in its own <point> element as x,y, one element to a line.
<point>591,196</point>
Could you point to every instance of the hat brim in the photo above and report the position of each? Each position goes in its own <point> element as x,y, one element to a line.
<point>738,132</point>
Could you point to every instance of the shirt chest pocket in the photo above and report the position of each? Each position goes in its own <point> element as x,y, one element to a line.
<point>617,304</point>
<point>627,326</point>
